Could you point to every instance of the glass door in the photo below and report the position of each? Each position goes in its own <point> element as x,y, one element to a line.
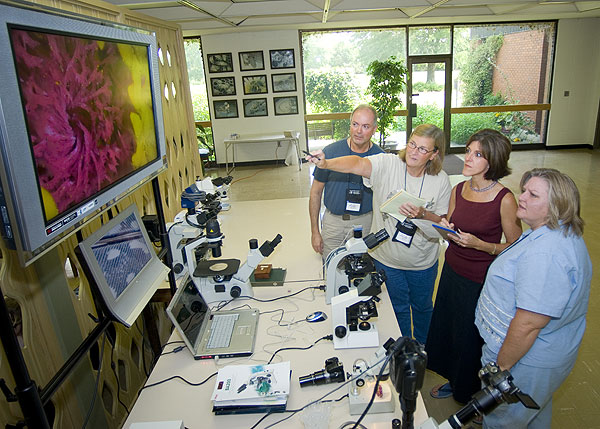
<point>429,89</point>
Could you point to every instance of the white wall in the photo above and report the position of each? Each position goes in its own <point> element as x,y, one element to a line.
<point>577,70</point>
<point>223,128</point>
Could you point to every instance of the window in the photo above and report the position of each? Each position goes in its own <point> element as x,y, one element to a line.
<point>335,76</point>
<point>195,65</point>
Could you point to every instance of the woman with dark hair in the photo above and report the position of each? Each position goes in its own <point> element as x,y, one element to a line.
<point>409,258</point>
<point>532,310</point>
<point>481,210</point>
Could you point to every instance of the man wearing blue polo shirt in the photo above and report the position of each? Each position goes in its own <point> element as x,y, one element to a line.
<point>347,201</point>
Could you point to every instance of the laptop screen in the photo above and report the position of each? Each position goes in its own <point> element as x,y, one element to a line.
<point>190,311</point>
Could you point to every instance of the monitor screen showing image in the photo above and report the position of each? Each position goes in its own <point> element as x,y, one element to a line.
<point>88,110</point>
<point>122,253</point>
<point>81,123</point>
<point>122,266</point>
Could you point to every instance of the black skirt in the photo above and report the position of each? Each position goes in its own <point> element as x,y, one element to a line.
<point>453,343</point>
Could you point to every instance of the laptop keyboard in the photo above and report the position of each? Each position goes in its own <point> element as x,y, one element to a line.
<point>221,330</point>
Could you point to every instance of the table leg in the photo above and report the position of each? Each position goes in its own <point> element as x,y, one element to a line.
<point>297,144</point>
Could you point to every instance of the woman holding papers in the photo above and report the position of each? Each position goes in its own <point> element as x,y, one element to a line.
<point>481,210</point>
<point>410,258</point>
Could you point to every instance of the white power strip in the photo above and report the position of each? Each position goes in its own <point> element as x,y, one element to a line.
<point>384,402</point>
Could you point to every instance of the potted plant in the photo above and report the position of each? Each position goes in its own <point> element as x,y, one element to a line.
<point>388,80</point>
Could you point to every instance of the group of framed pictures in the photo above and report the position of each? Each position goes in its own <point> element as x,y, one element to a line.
<point>253,84</point>
<point>254,107</point>
<point>251,60</point>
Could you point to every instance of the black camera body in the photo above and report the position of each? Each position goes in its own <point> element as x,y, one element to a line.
<point>332,373</point>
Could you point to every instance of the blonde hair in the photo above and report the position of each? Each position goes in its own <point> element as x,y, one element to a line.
<point>434,166</point>
<point>564,203</point>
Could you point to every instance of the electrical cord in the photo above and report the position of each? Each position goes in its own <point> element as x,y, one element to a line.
<point>326,337</point>
<point>91,408</point>
<point>180,378</point>
<point>295,411</point>
<point>175,350</point>
<point>366,410</point>
<point>144,344</point>
<point>225,303</point>
<point>114,370</point>
<point>247,177</point>
<point>350,379</point>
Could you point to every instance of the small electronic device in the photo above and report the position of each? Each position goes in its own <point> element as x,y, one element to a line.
<point>207,334</point>
<point>317,316</point>
<point>444,232</point>
<point>123,266</point>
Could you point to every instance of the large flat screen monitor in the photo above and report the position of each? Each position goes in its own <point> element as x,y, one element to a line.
<point>81,122</point>
<point>123,265</point>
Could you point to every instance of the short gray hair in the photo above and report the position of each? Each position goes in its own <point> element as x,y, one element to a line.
<point>366,107</point>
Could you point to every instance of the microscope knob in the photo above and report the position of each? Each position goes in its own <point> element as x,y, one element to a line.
<point>235,291</point>
<point>343,289</point>
<point>177,268</point>
<point>340,331</point>
<point>364,326</point>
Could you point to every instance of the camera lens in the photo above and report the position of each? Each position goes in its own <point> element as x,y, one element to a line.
<point>316,378</point>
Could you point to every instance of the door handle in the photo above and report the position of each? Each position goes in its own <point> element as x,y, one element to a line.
<point>412,110</point>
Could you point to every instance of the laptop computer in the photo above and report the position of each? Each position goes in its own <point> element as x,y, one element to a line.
<point>207,334</point>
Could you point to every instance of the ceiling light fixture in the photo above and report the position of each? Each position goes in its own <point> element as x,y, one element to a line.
<point>428,9</point>
<point>197,8</point>
<point>325,11</point>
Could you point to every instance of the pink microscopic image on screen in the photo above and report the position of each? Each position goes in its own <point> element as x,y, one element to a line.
<point>88,108</point>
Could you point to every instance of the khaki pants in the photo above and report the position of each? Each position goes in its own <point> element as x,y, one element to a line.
<point>336,229</point>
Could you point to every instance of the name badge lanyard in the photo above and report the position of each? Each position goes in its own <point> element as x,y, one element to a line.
<point>405,231</point>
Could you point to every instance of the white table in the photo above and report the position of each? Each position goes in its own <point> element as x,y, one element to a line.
<point>293,138</point>
<point>175,400</point>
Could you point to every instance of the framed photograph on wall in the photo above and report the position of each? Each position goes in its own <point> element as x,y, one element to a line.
<point>253,60</point>
<point>225,109</point>
<point>222,86</point>
<point>220,63</point>
<point>282,58</point>
<point>283,82</point>
<point>255,107</point>
<point>286,105</point>
<point>255,84</point>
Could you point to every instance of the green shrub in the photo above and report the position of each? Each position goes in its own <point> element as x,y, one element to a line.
<point>477,72</point>
<point>466,124</point>
<point>427,87</point>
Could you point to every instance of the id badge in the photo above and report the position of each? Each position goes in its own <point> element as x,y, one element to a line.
<point>405,231</point>
<point>353,200</point>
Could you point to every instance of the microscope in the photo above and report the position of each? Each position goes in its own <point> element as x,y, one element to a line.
<point>188,226</point>
<point>350,267</point>
<point>351,318</point>
<point>217,187</point>
<point>224,279</point>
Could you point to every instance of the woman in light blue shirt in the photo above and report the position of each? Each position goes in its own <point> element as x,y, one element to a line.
<point>532,309</point>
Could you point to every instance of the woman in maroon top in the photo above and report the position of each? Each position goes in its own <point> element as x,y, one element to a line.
<point>481,210</point>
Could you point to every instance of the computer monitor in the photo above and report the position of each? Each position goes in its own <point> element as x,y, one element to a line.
<point>81,123</point>
<point>123,266</point>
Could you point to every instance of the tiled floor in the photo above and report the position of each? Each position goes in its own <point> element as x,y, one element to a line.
<point>577,403</point>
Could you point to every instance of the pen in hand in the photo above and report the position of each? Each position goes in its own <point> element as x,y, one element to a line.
<point>311,155</point>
